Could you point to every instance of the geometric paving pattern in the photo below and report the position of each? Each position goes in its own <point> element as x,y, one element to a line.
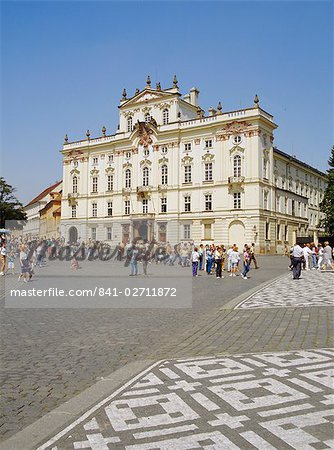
<point>315,289</point>
<point>281,400</point>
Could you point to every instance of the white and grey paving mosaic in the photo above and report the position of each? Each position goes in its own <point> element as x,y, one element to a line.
<point>255,401</point>
<point>315,289</point>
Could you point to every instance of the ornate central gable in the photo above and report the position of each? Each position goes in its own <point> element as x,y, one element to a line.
<point>146,96</point>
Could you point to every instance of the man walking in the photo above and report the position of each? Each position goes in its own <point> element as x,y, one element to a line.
<point>252,256</point>
<point>297,256</point>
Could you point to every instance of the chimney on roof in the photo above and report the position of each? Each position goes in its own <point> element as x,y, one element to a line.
<point>186,98</point>
<point>194,93</point>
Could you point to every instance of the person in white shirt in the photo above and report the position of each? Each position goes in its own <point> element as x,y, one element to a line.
<point>235,258</point>
<point>307,252</point>
<point>229,264</point>
<point>297,255</point>
<point>320,256</point>
<point>194,260</point>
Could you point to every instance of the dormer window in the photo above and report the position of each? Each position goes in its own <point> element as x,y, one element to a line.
<point>165,116</point>
<point>129,125</point>
<point>147,117</point>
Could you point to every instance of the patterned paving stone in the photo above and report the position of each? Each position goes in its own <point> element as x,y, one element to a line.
<point>315,289</point>
<point>280,400</point>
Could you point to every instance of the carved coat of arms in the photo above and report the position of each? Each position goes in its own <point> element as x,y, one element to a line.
<point>145,132</point>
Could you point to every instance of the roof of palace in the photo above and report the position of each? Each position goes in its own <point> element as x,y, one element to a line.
<point>295,160</point>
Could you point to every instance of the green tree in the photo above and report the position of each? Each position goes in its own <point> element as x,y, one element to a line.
<point>10,207</point>
<point>327,204</point>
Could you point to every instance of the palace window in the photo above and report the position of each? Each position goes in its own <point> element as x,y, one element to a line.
<point>267,230</point>
<point>208,171</point>
<point>237,200</point>
<point>164,174</point>
<point>146,152</point>
<point>164,150</point>
<point>165,116</point>
<point>207,231</point>
<point>265,200</point>
<point>94,209</point>
<point>293,212</point>
<point>237,139</point>
<point>164,205</point>
<point>187,174</point>
<point>187,147</point>
<point>75,185</point>
<point>94,185</point>
<point>110,159</point>
<point>110,183</point>
<point>109,233</point>
<point>145,176</point>
<point>127,207</point>
<point>187,203</point>
<point>74,211</point>
<point>128,155</point>
<point>278,203</point>
<point>95,160</point>
<point>208,143</point>
<point>93,234</point>
<point>237,166</point>
<point>186,231</point>
<point>128,178</point>
<point>208,202</point>
<point>278,232</point>
<point>265,168</point>
<point>147,117</point>
<point>109,209</point>
<point>129,124</point>
<point>145,206</point>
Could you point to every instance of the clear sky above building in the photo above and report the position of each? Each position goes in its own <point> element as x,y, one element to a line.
<point>65,64</point>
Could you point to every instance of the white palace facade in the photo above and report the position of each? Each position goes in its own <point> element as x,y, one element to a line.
<point>172,173</point>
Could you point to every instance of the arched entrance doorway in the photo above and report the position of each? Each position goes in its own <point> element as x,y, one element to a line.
<point>72,235</point>
<point>236,234</point>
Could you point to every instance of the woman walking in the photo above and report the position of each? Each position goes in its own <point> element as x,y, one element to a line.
<point>247,259</point>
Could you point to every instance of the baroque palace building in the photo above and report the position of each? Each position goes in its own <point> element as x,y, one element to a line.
<point>172,173</point>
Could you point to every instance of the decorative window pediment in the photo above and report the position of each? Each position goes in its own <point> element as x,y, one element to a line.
<point>265,153</point>
<point>145,162</point>
<point>163,160</point>
<point>187,160</point>
<point>109,170</point>
<point>75,172</point>
<point>237,149</point>
<point>127,165</point>
<point>208,157</point>
<point>94,172</point>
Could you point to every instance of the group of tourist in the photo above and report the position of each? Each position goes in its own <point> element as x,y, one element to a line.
<point>213,259</point>
<point>310,257</point>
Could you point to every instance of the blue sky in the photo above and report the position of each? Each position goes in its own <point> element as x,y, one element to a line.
<point>64,66</point>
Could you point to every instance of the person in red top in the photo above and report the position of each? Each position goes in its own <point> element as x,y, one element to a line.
<point>247,259</point>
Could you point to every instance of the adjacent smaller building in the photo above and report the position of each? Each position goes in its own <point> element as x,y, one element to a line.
<point>38,212</point>
<point>50,217</point>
